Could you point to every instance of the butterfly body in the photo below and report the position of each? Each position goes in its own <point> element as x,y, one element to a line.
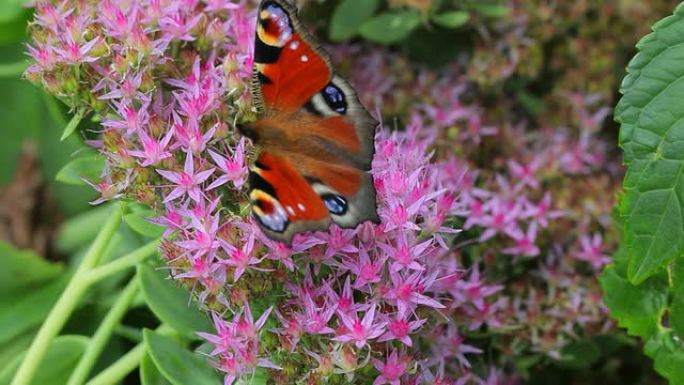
<point>315,137</point>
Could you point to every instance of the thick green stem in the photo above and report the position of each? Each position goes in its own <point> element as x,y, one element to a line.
<point>103,333</point>
<point>126,364</point>
<point>127,261</point>
<point>120,369</point>
<point>128,332</point>
<point>67,302</point>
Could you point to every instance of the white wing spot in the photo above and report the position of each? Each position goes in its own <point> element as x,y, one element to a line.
<point>305,58</point>
<point>301,207</point>
<point>290,210</point>
<point>294,45</point>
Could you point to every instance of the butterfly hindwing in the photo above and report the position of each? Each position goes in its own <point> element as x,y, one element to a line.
<point>347,192</point>
<point>317,138</point>
<point>283,202</point>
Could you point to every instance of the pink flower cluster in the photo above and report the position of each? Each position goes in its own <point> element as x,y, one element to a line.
<point>384,304</point>
<point>518,200</point>
<point>168,78</point>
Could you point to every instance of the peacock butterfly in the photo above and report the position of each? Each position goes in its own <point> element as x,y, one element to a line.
<point>315,138</point>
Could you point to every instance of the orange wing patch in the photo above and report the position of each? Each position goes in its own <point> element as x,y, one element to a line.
<point>289,71</point>
<point>288,189</point>
<point>297,75</point>
<point>340,131</point>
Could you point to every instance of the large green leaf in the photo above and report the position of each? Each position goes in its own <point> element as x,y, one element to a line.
<point>22,269</point>
<point>149,374</point>
<point>652,137</point>
<point>9,350</point>
<point>171,303</point>
<point>668,356</point>
<point>178,365</point>
<point>87,166</point>
<point>59,361</point>
<point>21,313</point>
<point>637,308</point>
<point>390,27</point>
<point>349,16</point>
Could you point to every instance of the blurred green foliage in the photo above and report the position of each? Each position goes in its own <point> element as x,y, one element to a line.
<point>28,114</point>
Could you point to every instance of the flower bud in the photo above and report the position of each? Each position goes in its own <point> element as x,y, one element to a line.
<point>215,31</point>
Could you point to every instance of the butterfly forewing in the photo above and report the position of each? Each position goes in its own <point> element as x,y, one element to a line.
<point>317,138</point>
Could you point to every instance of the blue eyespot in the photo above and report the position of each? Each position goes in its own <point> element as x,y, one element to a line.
<point>336,204</point>
<point>334,98</point>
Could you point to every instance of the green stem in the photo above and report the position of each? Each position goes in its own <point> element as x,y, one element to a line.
<point>10,70</point>
<point>103,333</point>
<point>129,260</point>
<point>128,332</point>
<point>120,369</point>
<point>174,49</point>
<point>126,363</point>
<point>67,302</point>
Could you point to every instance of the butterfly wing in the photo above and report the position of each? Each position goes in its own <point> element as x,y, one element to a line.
<point>283,202</point>
<point>293,73</point>
<point>288,69</point>
<point>318,138</point>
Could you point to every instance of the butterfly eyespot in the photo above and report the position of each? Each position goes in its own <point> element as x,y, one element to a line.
<point>336,204</point>
<point>274,26</point>
<point>334,97</point>
<point>264,206</point>
<point>270,214</point>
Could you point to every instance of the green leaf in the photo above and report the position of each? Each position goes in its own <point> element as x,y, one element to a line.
<point>88,166</point>
<point>676,313</point>
<point>349,16</point>
<point>490,10</point>
<point>149,374</point>
<point>452,19</point>
<point>138,222</point>
<point>436,47</point>
<point>178,365</point>
<point>60,360</point>
<point>637,308</point>
<point>72,125</point>
<point>13,18</point>
<point>26,310</point>
<point>652,137</point>
<point>24,268</point>
<point>10,12</point>
<point>390,27</point>
<point>9,350</point>
<point>668,356</point>
<point>171,303</point>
